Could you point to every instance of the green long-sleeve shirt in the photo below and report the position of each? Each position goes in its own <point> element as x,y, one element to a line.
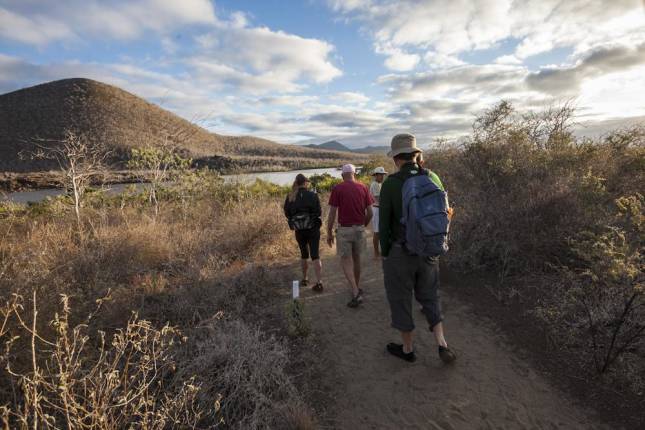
<point>391,205</point>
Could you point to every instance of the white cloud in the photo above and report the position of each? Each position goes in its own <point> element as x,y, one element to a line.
<point>606,42</point>
<point>618,94</point>
<point>350,97</point>
<point>37,30</point>
<point>401,61</point>
<point>274,55</point>
<point>227,53</point>
<point>490,81</point>
<point>507,59</point>
<point>41,23</point>
<point>451,27</point>
<point>435,60</point>
<point>288,100</point>
<point>601,61</point>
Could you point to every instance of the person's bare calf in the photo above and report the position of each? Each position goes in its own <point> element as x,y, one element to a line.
<point>375,242</point>
<point>356,259</point>
<point>348,264</point>
<point>437,330</point>
<point>318,269</point>
<point>406,337</point>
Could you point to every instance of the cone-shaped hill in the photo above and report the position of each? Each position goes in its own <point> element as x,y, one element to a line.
<point>121,121</point>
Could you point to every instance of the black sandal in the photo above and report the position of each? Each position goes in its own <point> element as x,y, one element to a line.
<point>396,349</point>
<point>304,283</point>
<point>318,287</point>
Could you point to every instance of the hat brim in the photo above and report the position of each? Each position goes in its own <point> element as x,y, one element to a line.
<point>396,152</point>
<point>379,173</point>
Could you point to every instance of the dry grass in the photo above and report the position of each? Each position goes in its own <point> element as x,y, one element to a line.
<point>198,267</point>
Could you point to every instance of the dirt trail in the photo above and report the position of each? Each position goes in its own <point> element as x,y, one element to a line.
<point>488,388</point>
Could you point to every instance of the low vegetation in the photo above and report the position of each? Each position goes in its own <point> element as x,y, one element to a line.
<point>154,320</point>
<point>559,219</point>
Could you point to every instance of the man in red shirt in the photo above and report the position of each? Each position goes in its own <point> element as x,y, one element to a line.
<point>352,201</point>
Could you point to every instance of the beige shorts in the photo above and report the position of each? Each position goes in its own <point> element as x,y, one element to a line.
<point>375,219</point>
<point>350,239</point>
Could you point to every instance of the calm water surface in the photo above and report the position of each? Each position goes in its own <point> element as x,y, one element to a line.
<point>279,178</point>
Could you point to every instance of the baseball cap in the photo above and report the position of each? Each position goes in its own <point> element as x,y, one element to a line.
<point>349,168</point>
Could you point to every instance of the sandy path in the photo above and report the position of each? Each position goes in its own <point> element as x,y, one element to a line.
<point>488,388</point>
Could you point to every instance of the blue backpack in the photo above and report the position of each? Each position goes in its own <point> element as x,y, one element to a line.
<point>425,216</point>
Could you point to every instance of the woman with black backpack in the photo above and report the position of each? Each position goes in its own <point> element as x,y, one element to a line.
<point>302,209</point>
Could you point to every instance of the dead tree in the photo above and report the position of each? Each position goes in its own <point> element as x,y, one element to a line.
<point>80,160</point>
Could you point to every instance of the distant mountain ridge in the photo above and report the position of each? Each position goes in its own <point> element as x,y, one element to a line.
<point>334,145</point>
<point>121,121</point>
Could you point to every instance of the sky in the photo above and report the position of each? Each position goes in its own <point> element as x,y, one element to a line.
<point>357,71</point>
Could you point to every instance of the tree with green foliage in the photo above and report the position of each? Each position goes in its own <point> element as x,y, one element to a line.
<point>157,165</point>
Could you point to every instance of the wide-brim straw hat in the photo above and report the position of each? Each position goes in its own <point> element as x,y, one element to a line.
<point>379,170</point>
<point>404,143</point>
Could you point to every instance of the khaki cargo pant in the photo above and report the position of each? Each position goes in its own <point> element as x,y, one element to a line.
<point>350,239</point>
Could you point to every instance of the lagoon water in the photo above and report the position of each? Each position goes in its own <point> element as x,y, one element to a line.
<point>279,178</point>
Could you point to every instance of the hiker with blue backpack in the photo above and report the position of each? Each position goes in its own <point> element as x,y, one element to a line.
<point>413,231</point>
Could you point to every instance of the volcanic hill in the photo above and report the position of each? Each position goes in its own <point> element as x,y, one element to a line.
<point>122,121</point>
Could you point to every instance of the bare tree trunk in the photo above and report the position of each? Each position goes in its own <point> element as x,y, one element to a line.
<point>77,203</point>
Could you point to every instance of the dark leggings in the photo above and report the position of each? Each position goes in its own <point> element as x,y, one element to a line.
<point>309,243</point>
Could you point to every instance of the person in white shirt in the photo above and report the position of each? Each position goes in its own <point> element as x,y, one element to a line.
<point>378,176</point>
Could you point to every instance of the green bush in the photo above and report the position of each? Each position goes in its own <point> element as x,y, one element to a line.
<point>324,182</point>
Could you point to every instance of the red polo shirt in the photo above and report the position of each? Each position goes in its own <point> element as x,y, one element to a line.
<point>351,199</point>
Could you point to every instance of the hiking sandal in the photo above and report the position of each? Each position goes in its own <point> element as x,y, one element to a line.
<point>318,287</point>
<point>447,355</point>
<point>304,283</point>
<point>396,349</point>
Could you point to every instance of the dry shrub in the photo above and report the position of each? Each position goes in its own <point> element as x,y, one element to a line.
<point>249,369</point>
<point>78,379</point>
<point>534,200</point>
<point>297,322</point>
<point>200,259</point>
<point>255,229</point>
<point>523,185</point>
<point>298,417</point>
<point>599,306</point>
